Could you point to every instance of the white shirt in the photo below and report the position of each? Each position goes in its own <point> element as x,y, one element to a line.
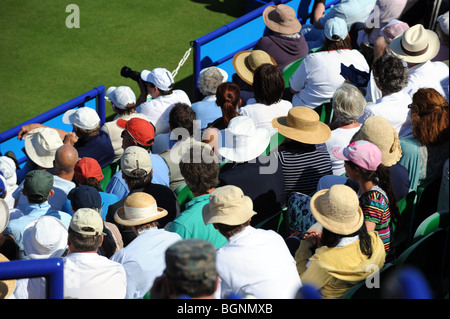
<point>428,75</point>
<point>144,259</point>
<point>257,262</point>
<point>318,76</point>
<point>263,114</point>
<point>394,108</point>
<point>340,137</point>
<point>91,276</point>
<point>158,110</point>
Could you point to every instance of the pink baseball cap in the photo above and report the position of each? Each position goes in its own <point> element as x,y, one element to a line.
<point>362,153</point>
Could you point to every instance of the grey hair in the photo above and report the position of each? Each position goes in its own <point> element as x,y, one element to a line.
<point>349,103</point>
<point>209,80</point>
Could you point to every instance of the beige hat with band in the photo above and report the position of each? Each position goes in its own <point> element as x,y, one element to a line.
<point>337,209</point>
<point>228,205</point>
<point>139,208</point>
<point>303,125</point>
<point>246,62</point>
<point>281,19</point>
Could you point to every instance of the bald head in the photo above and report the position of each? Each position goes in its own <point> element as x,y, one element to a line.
<point>66,157</point>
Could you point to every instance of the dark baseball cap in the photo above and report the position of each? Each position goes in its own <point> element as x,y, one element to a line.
<point>84,196</point>
<point>37,185</point>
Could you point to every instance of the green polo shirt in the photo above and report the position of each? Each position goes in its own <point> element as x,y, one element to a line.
<point>190,224</point>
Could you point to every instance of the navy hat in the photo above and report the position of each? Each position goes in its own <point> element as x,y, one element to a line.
<point>85,197</point>
<point>3,184</point>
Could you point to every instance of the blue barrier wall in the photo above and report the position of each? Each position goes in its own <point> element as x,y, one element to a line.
<point>94,98</point>
<point>219,46</point>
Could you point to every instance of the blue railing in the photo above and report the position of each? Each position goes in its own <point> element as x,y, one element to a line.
<point>94,98</point>
<point>219,46</point>
<point>52,269</point>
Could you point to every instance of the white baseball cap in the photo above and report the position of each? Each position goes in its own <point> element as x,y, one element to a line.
<point>121,96</point>
<point>84,117</point>
<point>160,77</point>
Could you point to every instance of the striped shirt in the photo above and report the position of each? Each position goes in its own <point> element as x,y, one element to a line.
<point>375,207</point>
<point>303,165</point>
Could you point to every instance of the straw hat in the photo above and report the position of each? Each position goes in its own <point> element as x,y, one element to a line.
<point>302,124</point>
<point>243,141</point>
<point>246,62</point>
<point>6,286</point>
<point>416,45</point>
<point>139,208</point>
<point>281,19</point>
<point>4,214</point>
<point>337,209</point>
<point>228,205</point>
<point>41,145</point>
<point>45,237</point>
<point>380,132</point>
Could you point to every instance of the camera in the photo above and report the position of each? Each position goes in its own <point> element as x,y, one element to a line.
<point>127,72</point>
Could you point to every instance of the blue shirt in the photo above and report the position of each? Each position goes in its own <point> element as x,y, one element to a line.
<point>207,111</point>
<point>98,147</point>
<point>118,186</point>
<point>16,227</point>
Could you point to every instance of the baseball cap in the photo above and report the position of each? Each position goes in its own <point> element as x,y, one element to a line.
<point>84,117</point>
<point>121,96</point>
<point>38,184</point>
<point>142,131</point>
<point>160,77</point>
<point>87,221</point>
<point>88,167</point>
<point>335,26</point>
<point>133,158</point>
<point>362,153</point>
<point>84,196</point>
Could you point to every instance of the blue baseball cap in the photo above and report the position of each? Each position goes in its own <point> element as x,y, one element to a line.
<point>85,196</point>
<point>335,26</point>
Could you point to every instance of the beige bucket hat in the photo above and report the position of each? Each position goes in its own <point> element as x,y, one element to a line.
<point>303,125</point>
<point>281,19</point>
<point>228,205</point>
<point>139,208</point>
<point>416,45</point>
<point>246,62</point>
<point>41,145</point>
<point>337,209</point>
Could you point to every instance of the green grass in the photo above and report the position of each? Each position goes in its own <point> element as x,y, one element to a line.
<point>43,63</point>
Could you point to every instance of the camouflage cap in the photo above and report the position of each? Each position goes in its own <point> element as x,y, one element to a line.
<point>191,260</point>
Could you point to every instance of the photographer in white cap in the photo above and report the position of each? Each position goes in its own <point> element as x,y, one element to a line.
<point>159,84</point>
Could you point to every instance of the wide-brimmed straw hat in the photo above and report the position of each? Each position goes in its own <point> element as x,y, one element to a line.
<point>416,45</point>
<point>246,62</point>
<point>337,209</point>
<point>139,208</point>
<point>281,19</point>
<point>380,132</point>
<point>228,205</point>
<point>41,145</point>
<point>243,141</point>
<point>6,286</point>
<point>303,125</point>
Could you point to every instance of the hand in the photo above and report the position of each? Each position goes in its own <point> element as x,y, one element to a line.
<point>70,138</point>
<point>313,236</point>
<point>24,130</point>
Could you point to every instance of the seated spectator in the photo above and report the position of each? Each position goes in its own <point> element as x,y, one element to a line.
<point>255,262</point>
<point>391,77</point>
<point>303,156</point>
<point>137,172</point>
<point>88,172</point>
<point>182,126</point>
<point>442,32</point>
<point>141,133</point>
<point>123,102</point>
<point>284,42</point>
<point>143,259</point>
<point>46,237</point>
<point>87,275</point>
<point>159,84</point>
<point>376,196</point>
<point>199,167</point>
<point>260,177</point>
<point>348,105</point>
<point>245,63</point>
<point>417,46</point>
<point>331,259</point>
<point>207,110</point>
<point>312,84</point>
<point>190,271</point>
<point>37,187</point>
<point>268,87</point>
<point>425,151</point>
